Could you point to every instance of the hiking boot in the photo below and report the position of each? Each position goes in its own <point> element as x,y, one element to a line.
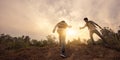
<point>106,45</point>
<point>62,55</point>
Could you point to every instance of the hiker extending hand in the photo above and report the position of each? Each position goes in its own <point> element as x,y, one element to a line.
<point>92,29</point>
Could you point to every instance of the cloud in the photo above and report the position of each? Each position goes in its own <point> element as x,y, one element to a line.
<point>36,16</point>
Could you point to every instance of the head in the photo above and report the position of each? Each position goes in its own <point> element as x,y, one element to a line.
<point>86,19</point>
<point>63,21</point>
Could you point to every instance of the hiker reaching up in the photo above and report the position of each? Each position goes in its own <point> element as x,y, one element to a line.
<point>61,30</point>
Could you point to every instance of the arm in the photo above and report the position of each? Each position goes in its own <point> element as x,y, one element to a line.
<point>54,29</point>
<point>69,26</point>
<point>97,25</point>
<point>83,26</point>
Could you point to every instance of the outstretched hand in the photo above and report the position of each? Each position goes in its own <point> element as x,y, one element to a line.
<point>80,28</point>
<point>70,26</point>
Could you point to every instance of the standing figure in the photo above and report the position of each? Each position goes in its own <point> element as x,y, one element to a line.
<point>61,30</point>
<point>92,29</point>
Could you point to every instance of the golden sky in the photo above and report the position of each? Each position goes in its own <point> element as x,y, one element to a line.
<point>37,18</point>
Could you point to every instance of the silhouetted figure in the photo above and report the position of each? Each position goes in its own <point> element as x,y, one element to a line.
<point>92,29</point>
<point>61,30</point>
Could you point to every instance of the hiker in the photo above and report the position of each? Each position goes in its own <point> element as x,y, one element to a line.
<point>92,29</point>
<point>61,30</point>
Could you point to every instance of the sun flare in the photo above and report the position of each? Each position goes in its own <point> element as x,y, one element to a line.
<point>71,32</point>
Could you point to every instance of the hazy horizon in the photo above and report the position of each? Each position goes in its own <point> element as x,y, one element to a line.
<point>37,18</point>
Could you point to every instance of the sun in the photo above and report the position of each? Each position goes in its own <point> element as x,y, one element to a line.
<point>71,32</point>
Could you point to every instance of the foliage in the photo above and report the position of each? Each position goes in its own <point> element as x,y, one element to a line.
<point>25,41</point>
<point>9,42</point>
<point>112,38</point>
<point>41,43</point>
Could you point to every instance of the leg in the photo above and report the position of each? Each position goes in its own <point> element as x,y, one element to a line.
<point>63,44</point>
<point>100,36</point>
<point>59,39</point>
<point>62,36</point>
<point>91,36</point>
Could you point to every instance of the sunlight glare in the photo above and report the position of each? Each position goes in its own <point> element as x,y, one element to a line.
<point>71,32</point>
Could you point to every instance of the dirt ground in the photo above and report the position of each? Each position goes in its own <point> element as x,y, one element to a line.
<point>79,52</point>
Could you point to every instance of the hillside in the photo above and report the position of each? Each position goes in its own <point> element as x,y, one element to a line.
<point>25,48</point>
<point>80,52</point>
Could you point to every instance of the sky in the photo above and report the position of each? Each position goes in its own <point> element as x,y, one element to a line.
<point>37,18</point>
